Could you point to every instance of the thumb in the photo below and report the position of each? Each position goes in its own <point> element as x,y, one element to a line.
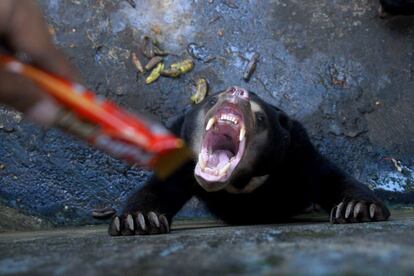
<point>22,94</point>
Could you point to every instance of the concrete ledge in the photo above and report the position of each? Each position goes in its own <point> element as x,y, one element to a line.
<point>316,248</point>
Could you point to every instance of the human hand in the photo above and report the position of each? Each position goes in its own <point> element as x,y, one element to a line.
<point>23,31</point>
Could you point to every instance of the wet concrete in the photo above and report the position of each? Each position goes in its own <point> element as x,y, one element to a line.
<point>385,248</point>
<point>336,66</point>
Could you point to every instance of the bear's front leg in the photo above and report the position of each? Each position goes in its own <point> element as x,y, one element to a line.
<point>150,210</point>
<point>358,204</point>
<point>344,198</point>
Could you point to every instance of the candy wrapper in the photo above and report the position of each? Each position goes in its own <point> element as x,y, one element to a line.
<point>101,123</point>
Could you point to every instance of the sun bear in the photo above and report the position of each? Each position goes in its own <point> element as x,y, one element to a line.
<point>251,164</point>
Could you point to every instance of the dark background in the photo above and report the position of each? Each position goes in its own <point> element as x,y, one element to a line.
<point>333,64</point>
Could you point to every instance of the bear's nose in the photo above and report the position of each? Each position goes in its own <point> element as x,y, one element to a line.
<point>238,92</point>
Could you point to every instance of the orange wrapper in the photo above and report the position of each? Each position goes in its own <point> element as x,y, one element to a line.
<point>106,126</point>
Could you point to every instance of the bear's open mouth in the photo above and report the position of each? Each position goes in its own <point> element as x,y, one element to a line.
<point>223,144</point>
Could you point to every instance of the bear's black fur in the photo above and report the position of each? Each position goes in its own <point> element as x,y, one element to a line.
<point>296,176</point>
<point>396,7</point>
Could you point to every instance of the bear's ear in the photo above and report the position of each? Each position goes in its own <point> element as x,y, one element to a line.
<point>285,121</point>
<point>175,124</point>
<point>283,118</point>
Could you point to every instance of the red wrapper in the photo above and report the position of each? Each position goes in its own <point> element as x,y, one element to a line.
<point>105,125</point>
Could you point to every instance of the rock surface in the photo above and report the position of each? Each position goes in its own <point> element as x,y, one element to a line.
<point>385,248</point>
<point>12,220</point>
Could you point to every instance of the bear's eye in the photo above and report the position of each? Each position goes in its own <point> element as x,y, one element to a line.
<point>212,101</point>
<point>260,118</point>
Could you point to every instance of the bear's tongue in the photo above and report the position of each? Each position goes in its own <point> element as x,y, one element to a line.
<point>218,158</point>
<point>222,144</point>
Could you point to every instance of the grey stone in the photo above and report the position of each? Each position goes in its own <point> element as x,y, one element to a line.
<point>385,248</point>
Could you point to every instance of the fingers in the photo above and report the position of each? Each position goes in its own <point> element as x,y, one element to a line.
<point>139,224</point>
<point>23,30</point>
<point>21,94</point>
<point>6,12</point>
<point>18,91</point>
<point>27,32</point>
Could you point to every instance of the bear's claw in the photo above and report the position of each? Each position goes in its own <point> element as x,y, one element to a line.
<point>139,224</point>
<point>349,211</point>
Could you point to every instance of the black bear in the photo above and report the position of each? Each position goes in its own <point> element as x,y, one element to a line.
<point>252,164</point>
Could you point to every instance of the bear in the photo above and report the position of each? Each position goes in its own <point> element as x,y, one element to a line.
<point>252,164</point>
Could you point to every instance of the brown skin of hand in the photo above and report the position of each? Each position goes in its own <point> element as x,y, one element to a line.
<point>23,30</point>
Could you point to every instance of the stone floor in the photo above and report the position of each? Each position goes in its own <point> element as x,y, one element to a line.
<point>385,248</point>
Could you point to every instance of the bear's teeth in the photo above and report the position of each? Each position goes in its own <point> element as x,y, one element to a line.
<point>224,169</point>
<point>242,133</point>
<point>229,118</point>
<point>210,123</point>
<point>201,162</point>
